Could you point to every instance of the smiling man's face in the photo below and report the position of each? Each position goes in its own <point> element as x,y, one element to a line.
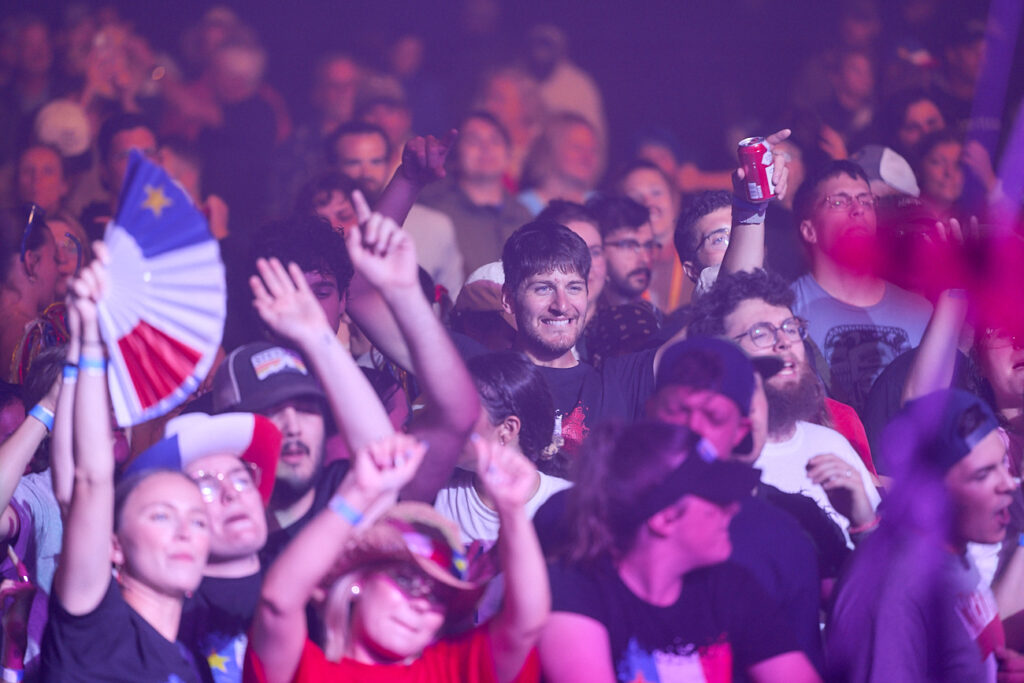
<point>549,309</point>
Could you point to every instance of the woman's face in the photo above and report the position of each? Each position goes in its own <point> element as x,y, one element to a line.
<point>942,177</point>
<point>648,187</point>
<point>920,119</point>
<point>164,536</point>
<point>398,613</point>
<point>238,523</point>
<point>67,252</point>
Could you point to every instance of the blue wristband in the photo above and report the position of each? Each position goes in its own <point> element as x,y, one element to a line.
<point>13,675</point>
<point>93,366</point>
<point>70,373</point>
<point>43,414</point>
<point>1020,540</point>
<point>340,507</point>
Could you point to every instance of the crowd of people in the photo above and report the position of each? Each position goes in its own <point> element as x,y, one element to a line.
<point>486,409</point>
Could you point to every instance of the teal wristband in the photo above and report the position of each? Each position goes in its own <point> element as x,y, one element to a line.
<point>93,366</point>
<point>43,414</point>
<point>340,507</point>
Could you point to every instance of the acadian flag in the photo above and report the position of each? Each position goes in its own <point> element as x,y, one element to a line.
<point>163,316</point>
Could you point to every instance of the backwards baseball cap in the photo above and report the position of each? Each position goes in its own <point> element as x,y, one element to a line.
<point>940,428</point>
<point>717,365</point>
<point>703,475</point>
<point>251,438</point>
<point>258,376</point>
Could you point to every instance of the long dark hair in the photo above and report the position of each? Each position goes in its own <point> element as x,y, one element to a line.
<point>619,466</point>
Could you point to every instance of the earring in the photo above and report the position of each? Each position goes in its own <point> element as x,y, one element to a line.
<point>355,589</point>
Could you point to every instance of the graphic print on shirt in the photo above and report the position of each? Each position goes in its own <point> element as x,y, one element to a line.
<point>225,654</point>
<point>857,354</point>
<point>571,430</point>
<point>688,664</point>
<point>979,614</point>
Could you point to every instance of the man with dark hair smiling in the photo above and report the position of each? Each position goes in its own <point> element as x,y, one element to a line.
<point>546,271</point>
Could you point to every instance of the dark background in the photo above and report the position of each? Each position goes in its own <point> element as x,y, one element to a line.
<point>694,66</point>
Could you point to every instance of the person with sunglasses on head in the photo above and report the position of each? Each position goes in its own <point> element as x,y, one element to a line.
<point>232,458</point>
<point>396,576</point>
<point>33,272</point>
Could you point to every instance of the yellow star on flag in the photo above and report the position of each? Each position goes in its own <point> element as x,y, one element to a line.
<point>156,200</point>
<point>217,662</point>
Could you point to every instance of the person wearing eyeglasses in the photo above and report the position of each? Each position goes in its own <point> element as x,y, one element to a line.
<point>860,321</point>
<point>629,247</point>
<point>232,458</point>
<point>802,454</point>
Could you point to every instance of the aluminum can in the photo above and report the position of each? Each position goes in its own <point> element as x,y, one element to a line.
<point>755,156</point>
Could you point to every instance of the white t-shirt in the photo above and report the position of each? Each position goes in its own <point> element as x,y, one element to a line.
<point>784,466</point>
<point>460,502</point>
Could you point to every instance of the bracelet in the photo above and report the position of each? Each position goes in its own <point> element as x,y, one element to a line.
<point>340,507</point>
<point>70,373</point>
<point>43,414</point>
<point>865,527</point>
<point>93,366</point>
<point>13,675</point>
<point>1020,540</point>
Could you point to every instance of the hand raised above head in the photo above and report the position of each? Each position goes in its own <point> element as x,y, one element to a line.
<point>509,478</point>
<point>423,158</point>
<point>385,466</point>
<point>780,174</point>
<point>381,251</point>
<point>284,301</point>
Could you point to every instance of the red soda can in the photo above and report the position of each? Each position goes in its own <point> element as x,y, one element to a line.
<point>758,167</point>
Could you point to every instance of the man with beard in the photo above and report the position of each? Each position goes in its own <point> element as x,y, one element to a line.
<point>629,245</point>
<point>858,320</point>
<point>754,310</point>
<point>546,270</point>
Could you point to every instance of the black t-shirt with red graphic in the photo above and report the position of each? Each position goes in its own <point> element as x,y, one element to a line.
<point>721,625</point>
<point>584,396</point>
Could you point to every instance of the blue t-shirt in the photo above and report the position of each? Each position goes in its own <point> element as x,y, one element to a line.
<point>858,342</point>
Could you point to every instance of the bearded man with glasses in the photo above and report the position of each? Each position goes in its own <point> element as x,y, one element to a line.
<point>859,321</point>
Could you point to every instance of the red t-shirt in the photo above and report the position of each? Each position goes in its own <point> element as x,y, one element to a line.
<point>466,657</point>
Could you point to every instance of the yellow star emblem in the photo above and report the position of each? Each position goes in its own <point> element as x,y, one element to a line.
<point>156,200</point>
<point>217,662</point>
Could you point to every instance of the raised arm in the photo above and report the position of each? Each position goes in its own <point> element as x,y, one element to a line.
<point>279,630</point>
<point>746,243</point>
<point>84,572</point>
<point>509,479</point>
<point>287,305</point>
<point>423,161</point>
<point>935,360</point>
<point>62,461</point>
<point>384,255</point>
<point>15,454</point>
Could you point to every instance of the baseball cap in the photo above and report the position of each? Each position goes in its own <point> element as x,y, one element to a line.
<point>482,292</point>
<point>702,475</point>
<point>251,438</point>
<point>940,429</point>
<point>257,376</point>
<point>717,365</point>
<point>883,163</point>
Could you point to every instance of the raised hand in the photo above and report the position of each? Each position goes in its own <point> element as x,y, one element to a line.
<point>780,174</point>
<point>85,292</point>
<point>423,158</point>
<point>509,478</point>
<point>381,251</point>
<point>979,162</point>
<point>285,302</point>
<point>385,466</point>
<point>844,487</point>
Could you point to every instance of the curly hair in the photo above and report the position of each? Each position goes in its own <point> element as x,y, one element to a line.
<point>707,316</point>
<point>310,242</point>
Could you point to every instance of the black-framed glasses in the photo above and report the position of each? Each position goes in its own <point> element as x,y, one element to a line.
<point>843,201</point>
<point>240,479</point>
<point>71,245</point>
<point>766,335</point>
<point>651,247</point>
<point>716,240</point>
